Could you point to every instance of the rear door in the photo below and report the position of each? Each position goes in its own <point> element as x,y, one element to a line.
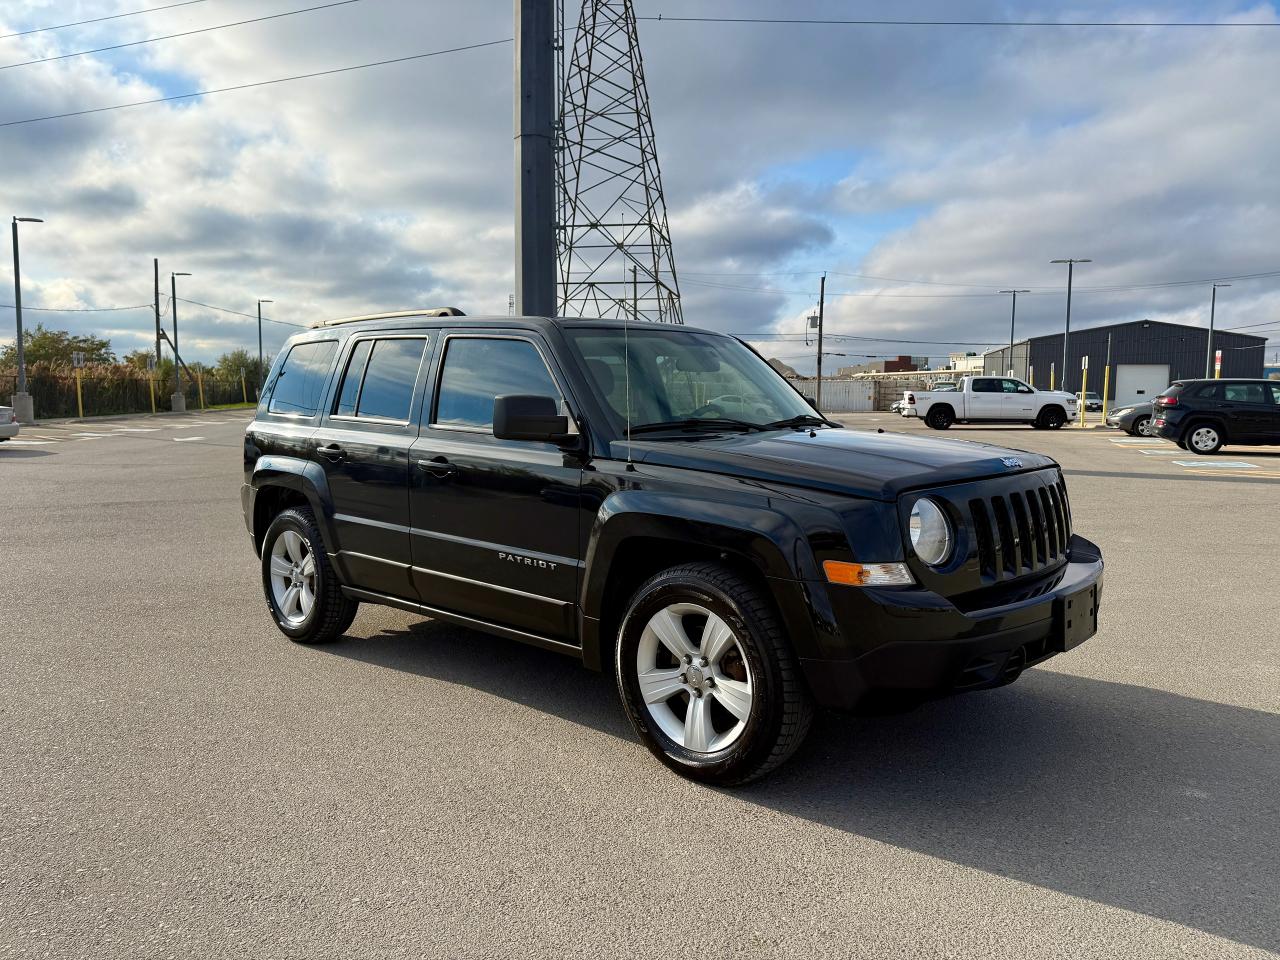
<point>1272,434</point>
<point>1247,407</point>
<point>985,400</point>
<point>363,446</point>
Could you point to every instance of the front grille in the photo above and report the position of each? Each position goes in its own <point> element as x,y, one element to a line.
<point>1021,531</point>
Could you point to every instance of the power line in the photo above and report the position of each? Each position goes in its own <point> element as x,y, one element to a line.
<point>961,23</point>
<point>259,83</point>
<point>171,36</point>
<point>114,16</point>
<point>251,316</point>
<point>141,306</point>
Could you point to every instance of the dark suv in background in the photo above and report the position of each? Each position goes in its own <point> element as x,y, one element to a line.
<point>657,501</point>
<point>1203,415</point>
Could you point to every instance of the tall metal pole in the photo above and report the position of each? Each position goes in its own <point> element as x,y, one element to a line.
<point>1066,335</point>
<point>17,310</point>
<point>173,306</point>
<point>155,263</point>
<point>1013,317</point>
<point>822,297</point>
<point>535,157</point>
<point>259,377</point>
<point>1213,309</point>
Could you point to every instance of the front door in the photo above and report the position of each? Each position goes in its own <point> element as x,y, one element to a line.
<point>1019,400</point>
<point>1273,414</point>
<point>495,522</point>
<point>363,445</point>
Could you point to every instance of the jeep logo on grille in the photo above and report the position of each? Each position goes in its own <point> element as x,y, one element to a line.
<point>1012,463</point>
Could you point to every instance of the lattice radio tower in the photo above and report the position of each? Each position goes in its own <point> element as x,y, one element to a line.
<point>614,245</point>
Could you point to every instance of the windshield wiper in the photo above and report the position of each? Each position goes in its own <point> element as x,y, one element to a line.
<point>802,420</point>
<point>698,423</point>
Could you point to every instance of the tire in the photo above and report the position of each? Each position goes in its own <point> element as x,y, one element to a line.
<point>1141,427</point>
<point>704,608</point>
<point>1182,443</point>
<point>292,547</point>
<point>940,418</point>
<point>1204,438</point>
<point>1052,418</point>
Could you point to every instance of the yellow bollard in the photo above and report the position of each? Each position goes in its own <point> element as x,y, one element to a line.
<point>79,396</point>
<point>244,391</point>
<point>152,384</point>
<point>1106,388</point>
<point>200,387</point>
<point>1051,386</point>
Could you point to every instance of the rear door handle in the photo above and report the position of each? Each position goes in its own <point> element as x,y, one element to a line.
<point>332,452</point>
<point>438,467</point>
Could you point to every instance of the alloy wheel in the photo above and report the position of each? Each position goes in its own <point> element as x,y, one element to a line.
<point>293,577</point>
<point>694,678</point>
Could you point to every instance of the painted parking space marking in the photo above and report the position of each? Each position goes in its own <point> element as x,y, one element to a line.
<point>29,443</point>
<point>1155,453</point>
<point>1137,441</point>
<point>185,439</point>
<point>1216,464</point>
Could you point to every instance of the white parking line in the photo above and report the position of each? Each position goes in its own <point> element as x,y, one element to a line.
<point>185,439</point>
<point>1217,464</point>
<point>29,443</point>
<point>91,436</point>
<point>1137,440</point>
<point>136,429</point>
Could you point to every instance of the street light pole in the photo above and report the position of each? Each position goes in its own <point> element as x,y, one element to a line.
<point>1213,309</point>
<point>822,302</point>
<point>23,408</point>
<point>179,402</point>
<point>1066,336</point>
<point>1013,318</point>
<point>260,371</point>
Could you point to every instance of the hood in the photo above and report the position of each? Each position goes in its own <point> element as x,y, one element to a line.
<point>858,462</point>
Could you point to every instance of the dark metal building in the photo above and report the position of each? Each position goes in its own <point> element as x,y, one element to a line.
<point>1145,357</point>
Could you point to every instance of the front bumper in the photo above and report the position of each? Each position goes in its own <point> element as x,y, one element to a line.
<point>922,646</point>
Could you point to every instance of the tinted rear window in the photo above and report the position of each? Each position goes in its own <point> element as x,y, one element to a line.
<point>301,379</point>
<point>1243,393</point>
<point>390,378</point>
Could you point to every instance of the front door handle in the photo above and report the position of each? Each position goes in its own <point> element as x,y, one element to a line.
<point>438,467</point>
<point>332,452</point>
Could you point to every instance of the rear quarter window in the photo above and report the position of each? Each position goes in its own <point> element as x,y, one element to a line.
<point>300,382</point>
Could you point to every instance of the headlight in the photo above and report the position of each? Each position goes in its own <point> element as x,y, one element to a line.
<point>1121,412</point>
<point>930,532</point>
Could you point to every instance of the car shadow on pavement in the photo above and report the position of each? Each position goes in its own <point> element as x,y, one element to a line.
<point>1137,798</point>
<point>20,453</point>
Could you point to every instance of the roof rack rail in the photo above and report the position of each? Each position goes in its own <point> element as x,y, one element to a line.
<point>427,312</point>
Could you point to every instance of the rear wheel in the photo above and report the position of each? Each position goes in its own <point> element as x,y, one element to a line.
<point>708,679</point>
<point>940,418</point>
<point>1204,438</point>
<point>302,590</point>
<point>1141,427</point>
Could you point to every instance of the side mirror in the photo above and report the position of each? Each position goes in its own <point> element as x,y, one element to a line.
<point>529,418</point>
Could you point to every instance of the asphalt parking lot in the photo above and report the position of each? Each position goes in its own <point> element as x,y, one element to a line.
<point>177,779</point>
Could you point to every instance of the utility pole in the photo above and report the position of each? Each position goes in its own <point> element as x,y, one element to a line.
<point>535,136</point>
<point>261,371</point>
<point>155,265</point>
<point>1213,309</point>
<point>23,407</point>
<point>178,403</point>
<point>1066,335</point>
<point>822,297</point>
<point>1013,317</point>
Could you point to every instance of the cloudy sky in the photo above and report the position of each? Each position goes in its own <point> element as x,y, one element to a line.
<point>923,168</point>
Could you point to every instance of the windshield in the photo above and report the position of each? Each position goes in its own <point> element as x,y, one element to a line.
<point>679,375</point>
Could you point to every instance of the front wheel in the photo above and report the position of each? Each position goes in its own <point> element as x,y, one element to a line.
<point>302,590</point>
<point>1052,419</point>
<point>707,677</point>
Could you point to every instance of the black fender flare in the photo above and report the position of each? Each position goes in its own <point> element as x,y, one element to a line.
<point>765,539</point>
<point>293,473</point>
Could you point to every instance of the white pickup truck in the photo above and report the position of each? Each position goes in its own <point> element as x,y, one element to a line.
<point>991,400</point>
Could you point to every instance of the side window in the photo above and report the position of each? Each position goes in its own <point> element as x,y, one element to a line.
<point>983,385</point>
<point>1207,392</point>
<point>350,389</point>
<point>478,369</point>
<point>1243,392</point>
<point>1275,392</point>
<point>301,378</point>
<point>1014,386</point>
<point>389,379</point>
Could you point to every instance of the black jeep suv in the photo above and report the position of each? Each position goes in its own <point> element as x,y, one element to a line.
<point>655,500</point>
<point>1202,415</point>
